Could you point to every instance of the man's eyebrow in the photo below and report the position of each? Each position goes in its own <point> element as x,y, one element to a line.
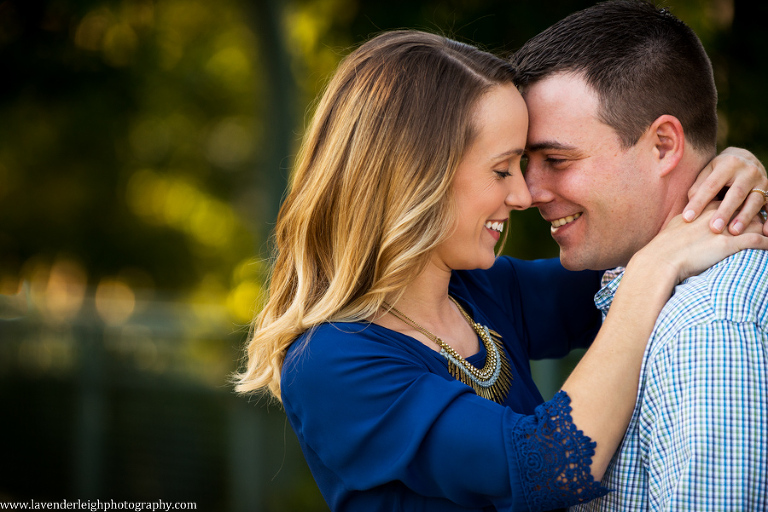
<point>548,145</point>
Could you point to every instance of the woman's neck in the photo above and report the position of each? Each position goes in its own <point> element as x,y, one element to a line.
<point>426,297</point>
<point>425,301</point>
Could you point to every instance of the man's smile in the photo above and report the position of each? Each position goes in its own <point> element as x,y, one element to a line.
<point>565,220</point>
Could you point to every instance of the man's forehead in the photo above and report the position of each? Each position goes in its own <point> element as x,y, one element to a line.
<point>567,78</point>
<point>564,115</point>
<point>564,94</point>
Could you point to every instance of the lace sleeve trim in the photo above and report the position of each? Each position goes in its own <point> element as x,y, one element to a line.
<point>554,457</point>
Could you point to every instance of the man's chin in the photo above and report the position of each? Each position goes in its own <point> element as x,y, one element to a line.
<point>581,265</point>
<point>569,261</point>
<point>572,266</point>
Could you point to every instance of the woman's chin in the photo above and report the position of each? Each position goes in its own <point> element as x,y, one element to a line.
<point>478,264</point>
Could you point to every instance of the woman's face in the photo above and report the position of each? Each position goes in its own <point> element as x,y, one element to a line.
<point>488,182</point>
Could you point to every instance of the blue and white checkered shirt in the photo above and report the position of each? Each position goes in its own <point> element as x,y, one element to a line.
<point>698,437</point>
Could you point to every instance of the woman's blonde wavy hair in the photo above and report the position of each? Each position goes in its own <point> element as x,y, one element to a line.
<point>369,197</point>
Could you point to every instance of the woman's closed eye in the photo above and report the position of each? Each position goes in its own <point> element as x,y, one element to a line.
<point>502,173</point>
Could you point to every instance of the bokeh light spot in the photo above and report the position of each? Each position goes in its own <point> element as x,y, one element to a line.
<point>115,301</point>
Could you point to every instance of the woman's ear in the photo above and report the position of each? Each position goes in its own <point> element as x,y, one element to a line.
<point>668,140</point>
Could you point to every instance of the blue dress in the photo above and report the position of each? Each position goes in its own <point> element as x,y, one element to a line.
<point>385,427</point>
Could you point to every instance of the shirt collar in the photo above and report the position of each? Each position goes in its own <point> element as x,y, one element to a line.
<point>609,283</point>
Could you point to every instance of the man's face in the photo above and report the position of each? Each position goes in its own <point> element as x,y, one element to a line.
<point>600,198</point>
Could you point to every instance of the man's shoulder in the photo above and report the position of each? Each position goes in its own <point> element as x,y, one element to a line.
<point>745,268</point>
<point>733,290</point>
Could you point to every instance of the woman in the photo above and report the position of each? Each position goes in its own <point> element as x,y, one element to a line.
<point>398,342</point>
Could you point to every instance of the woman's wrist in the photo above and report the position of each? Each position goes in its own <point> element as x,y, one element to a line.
<point>664,270</point>
<point>649,279</point>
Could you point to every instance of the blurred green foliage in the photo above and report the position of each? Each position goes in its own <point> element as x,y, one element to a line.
<point>148,142</point>
<point>145,147</point>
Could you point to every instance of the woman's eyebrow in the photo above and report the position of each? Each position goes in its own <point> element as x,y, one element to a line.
<point>511,152</point>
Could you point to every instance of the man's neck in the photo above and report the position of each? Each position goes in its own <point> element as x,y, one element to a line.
<point>680,182</point>
<point>673,197</point>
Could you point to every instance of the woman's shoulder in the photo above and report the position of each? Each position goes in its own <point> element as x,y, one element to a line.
<point>340,333</point>
<point>354,360</point>
<point>348,343</point>
<point>331,337</point>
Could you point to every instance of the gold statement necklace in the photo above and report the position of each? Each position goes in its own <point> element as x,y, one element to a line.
<point>494,379</point>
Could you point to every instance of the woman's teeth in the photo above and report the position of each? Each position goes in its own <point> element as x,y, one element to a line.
<point>565,220</point>
<point>496,226</point>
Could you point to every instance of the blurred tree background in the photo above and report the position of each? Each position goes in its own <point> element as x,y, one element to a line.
<point>144,149</point>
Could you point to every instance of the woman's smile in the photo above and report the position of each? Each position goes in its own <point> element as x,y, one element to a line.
<point>495,227</point>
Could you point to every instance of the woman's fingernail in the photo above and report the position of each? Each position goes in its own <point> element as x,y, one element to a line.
<point>689,215</point>
<point>738,227</point>
<point>719,225</point>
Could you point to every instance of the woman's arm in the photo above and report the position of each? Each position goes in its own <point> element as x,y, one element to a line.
<point>603,387</point>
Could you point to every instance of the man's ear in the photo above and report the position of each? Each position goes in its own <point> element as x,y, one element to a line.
<point>668,140</point>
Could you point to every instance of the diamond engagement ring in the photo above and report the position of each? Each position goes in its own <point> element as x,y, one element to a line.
<point>761,191</point>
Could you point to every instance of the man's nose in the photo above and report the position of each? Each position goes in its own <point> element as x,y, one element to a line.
<point>538,184</point>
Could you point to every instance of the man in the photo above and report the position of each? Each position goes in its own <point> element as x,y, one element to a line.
<point>622,106</point>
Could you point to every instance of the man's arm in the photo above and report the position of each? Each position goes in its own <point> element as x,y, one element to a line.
<point>704,420</point>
